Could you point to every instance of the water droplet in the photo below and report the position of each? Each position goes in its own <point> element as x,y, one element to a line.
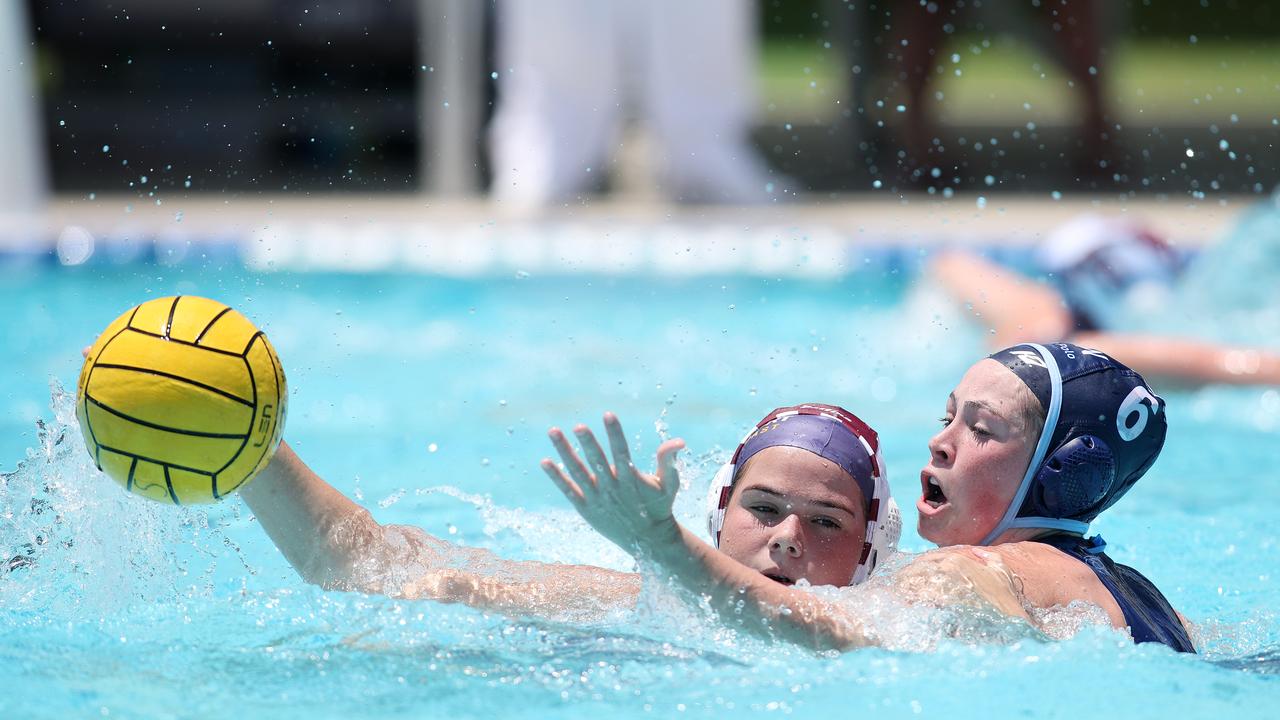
<point>432,447</point>
<point>494,75</point>
<point>982,202</point>
<point>484,462</point>
<point>62,123</point>
<point>877,184</point>
<point>989,180</point>
<point>521,274</point>
<point>106,148</point>
<point>1191,153</point>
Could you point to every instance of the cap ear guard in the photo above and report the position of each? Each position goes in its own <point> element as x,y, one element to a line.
<point>717,501</point>
<point>1074,478</point>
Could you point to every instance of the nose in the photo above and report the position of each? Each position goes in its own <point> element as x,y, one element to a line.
<point>786,538</point>
<point>940,447</point>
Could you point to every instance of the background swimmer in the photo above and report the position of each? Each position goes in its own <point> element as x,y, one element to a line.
<point>1100,267</point>
<point>1036,442</point>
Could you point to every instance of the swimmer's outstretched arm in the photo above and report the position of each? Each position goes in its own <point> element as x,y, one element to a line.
<point>1183,360</point>
<point>1016,308</point>
<point>633,510</point>
<point>335,543</point>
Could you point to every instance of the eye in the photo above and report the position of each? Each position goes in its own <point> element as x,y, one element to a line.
<point>979,431</point>
<point>763,509</point>
<point>945,420</point>
<point>826,522</point>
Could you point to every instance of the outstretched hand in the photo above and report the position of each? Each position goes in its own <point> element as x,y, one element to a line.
<point>630,508</point>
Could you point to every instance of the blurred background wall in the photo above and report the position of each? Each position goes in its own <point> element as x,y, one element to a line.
<point>395,95</point>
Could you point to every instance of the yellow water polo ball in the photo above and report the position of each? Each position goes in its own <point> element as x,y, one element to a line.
<point>181,400</point>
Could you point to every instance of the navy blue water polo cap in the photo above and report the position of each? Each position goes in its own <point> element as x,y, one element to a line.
<point>1103,428</point>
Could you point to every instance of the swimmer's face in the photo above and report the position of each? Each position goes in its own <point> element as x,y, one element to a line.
<point>978,458</point>
<point>795,515</point>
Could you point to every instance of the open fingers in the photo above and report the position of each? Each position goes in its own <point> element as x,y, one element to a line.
<point>562,481</point>
<point>596,459</point>
<point>618,444</point>
<point>585,480</point>
<point>668,475</point>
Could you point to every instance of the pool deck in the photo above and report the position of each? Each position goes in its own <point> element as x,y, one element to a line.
<point>417,233</point>
<point>918,217</point>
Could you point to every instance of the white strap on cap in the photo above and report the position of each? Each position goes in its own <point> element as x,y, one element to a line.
<point>1010,519</point>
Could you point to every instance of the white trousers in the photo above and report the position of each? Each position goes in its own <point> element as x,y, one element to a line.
<point>571,70</point>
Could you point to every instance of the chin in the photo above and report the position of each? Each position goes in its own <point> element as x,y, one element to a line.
<point>926,532</point>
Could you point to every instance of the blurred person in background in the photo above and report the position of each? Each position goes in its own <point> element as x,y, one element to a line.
<point>920,32</point>
<point>1100,271</point>
<point>570,72</point>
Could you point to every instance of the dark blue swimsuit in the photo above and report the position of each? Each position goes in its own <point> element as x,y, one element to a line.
<point>1148,614</point>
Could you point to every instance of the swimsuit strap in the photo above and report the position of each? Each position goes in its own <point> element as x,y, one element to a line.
<point>1146,611</point>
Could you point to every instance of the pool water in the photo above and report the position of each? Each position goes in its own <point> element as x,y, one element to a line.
<point>428,400</point>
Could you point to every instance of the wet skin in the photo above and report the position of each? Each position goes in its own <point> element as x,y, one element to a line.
<point>977,460</point>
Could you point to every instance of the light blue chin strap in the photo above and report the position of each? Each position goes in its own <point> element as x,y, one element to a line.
<point>1010,519</point>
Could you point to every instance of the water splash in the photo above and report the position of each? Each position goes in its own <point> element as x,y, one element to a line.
<point>74,545</point>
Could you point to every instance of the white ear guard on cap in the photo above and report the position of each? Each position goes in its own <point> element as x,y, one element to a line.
<point>884,520</point>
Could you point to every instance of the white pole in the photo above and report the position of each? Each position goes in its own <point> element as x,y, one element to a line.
<point>450,37</point>
<point>23,178</point>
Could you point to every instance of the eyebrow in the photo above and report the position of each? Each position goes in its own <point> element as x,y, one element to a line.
<point>984,405</point>
<point>820,503</point>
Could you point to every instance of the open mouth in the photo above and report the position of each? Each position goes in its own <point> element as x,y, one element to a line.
<point>933,494</point>
<point>780,579</point>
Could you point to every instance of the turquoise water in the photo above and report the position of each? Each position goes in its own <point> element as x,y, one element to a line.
<point>428,400</point>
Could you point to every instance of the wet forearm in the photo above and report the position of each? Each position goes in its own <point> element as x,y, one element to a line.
<point>532,589</point>
<point>321,532</point>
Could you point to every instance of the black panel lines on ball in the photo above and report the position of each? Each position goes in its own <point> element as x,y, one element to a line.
<point>144,458</point>
<point>168,325</point>
<point>212,322</point>
<point>249,345</point>
<point>168,482</point>
<point>179,378</point>
<point>133,315</point>
<point>253,417</point>
<point>133,467</point>
<point>97,450</point>
<point>187,343</point>
<point>155,426</point>
<point>279,376</point>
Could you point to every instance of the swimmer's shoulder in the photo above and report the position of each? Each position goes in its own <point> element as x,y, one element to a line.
<point>1049,577</point>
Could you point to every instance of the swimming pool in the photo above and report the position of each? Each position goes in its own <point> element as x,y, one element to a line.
<point>427,398</point>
